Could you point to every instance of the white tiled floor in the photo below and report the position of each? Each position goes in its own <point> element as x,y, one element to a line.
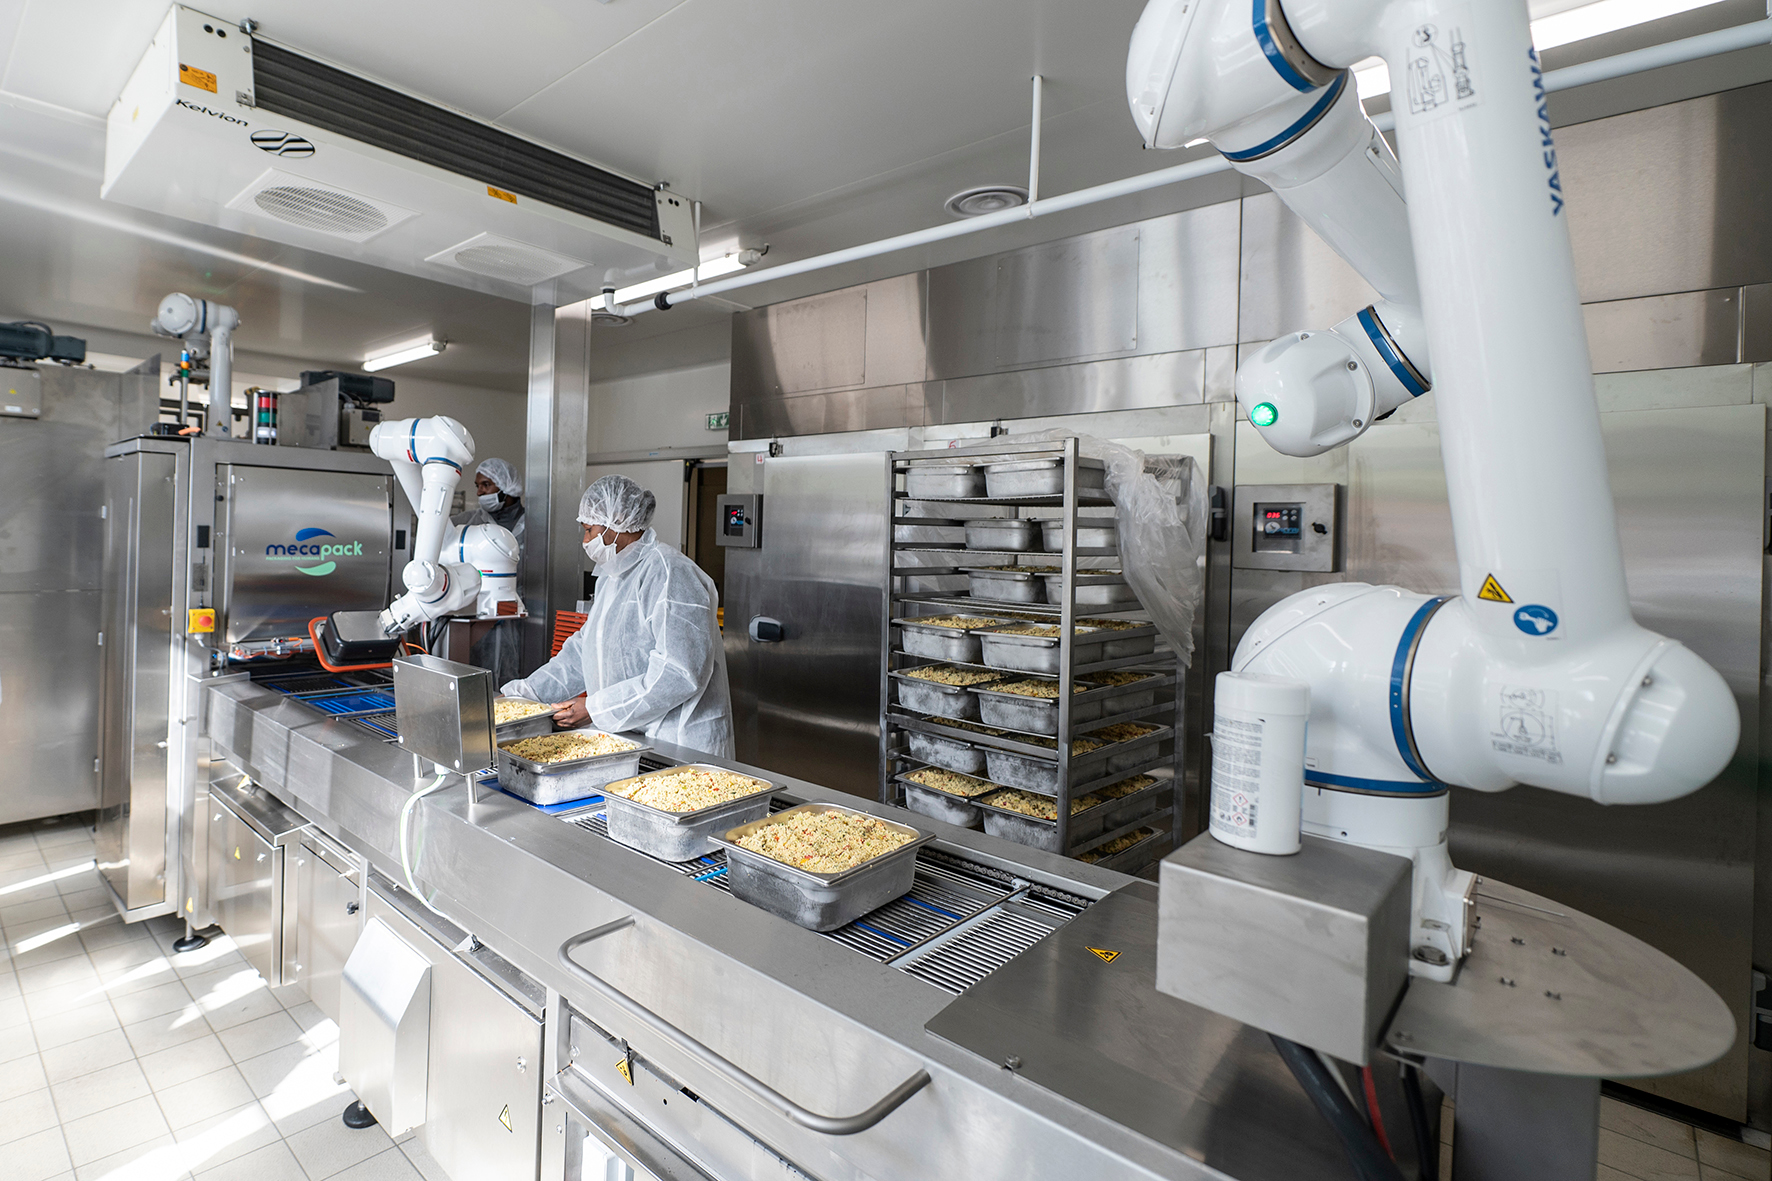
<point>120,1059</point>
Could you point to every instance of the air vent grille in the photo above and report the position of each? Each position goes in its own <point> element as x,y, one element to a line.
<point>321,209</point>
<point>502,258</point>
<point>298,87</point>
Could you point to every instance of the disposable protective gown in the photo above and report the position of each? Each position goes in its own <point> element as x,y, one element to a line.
<point>649,657</point>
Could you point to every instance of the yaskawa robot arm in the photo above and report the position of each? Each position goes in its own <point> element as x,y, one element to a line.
<point>428,455</point>
<point>1536,673</point>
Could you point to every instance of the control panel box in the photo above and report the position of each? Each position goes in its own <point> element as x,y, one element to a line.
<point>1287,527</point>
<point>741,519</point>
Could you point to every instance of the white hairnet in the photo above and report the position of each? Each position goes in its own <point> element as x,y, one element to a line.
<point>619,503</point>
<point>502,474</point>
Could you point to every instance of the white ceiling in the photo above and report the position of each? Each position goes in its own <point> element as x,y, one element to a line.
<point>805,124</point>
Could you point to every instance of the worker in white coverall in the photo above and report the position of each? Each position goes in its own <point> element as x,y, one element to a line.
<point>497,645</point>
<point>649,656</point>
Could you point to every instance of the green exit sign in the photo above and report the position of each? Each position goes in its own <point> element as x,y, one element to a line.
<point>720,421</point>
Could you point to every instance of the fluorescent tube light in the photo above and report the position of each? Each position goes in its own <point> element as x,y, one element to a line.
<point>1373,77</point>
<point>403,354</point>
<point>713,268</point>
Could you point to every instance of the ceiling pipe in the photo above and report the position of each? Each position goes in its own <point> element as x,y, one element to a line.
<point>1621,65</point>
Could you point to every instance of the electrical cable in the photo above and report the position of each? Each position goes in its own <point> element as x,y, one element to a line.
<point>1370,1163</point>
<point>405,855</point>
<point>1427,1154</point>
<point>1373,1115</point>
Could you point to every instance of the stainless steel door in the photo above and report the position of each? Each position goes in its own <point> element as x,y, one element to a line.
<point>328,893</point>
<point>1688,486</point>
<point>243,895</point>
<point>136,639</point>
<point>809,705</point>
<point>299,544</point>
<point>483,1113</point>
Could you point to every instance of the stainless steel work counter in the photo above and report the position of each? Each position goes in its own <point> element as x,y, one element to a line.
<point>1130,1083</point>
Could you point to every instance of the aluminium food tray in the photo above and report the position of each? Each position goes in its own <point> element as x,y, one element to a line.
<point>950,754</point>
<point>1039,654</point>
<point>939,805</point>
<point>679,836</point>
<point>1009,534</point>
<point>928,531</point>
<point>1030,715</point>
<point>1137,643</point>
<point>1093,590</point>
<point>819,901</point>
<point>1089,535</point>
<point>943,481</point>
<point>1006,586</point>
<point>928,697</point>
<point>555,783</point>
<point>531,727</point>
<point>1040,776</point>
<point>1042,477</point>
<point>938,643</point>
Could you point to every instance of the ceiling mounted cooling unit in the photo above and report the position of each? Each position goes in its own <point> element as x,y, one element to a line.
<point>235,131</point>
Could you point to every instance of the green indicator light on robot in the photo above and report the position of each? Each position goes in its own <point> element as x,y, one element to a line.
<point>1264,414</point>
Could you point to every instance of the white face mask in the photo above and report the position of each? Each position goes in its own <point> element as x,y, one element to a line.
<point>489,501</point>
<point>598,550</point>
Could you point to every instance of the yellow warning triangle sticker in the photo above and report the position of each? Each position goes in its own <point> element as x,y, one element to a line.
<point>1492,591</point>
<point>504,1117</point>
<point>1106,956</point>
<point>621,1064</point>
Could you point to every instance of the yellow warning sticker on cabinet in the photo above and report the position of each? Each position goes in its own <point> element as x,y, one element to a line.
<point>621,1064</point>
<point>1492,591</point>
<point>501,194</point>
<point>504,1117</point>
<point>192,76</point>
<point>1106,956</point>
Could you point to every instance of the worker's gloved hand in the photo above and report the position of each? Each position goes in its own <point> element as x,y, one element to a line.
<point>572,713</point>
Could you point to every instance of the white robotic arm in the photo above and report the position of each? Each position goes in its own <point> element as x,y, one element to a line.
<point>428,455</point>
<point>1536,673</point>
<point>207,328</point>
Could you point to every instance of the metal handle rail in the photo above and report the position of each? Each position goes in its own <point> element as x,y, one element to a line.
<point>832,1125</point>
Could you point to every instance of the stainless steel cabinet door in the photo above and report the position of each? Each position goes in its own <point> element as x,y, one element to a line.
<point>327,923</point>
<point>243,882</point>
<point>482,1117</point>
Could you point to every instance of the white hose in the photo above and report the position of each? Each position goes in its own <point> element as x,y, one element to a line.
<point>406,856</point>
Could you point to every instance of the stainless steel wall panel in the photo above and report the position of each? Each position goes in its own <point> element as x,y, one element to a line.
<point>49,706</point>
<point>809,705</point>
<point>1123,383</point>
<point>894,348</point>
<point>1665,331</point>
<point>874,408</point>
<point>1756,322</point>
<point>1187,278</point>
<point>817,343</point>
<point>1058,301</point>
<point>1671,198</point>
<point>1289,278</point>
<point>556,428</point>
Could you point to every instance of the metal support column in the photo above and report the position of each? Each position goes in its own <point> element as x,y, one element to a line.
<point>1510,1124</point>
<point>554,468</point>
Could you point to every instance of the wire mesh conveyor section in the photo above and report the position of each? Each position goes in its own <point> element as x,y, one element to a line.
<point>363,698</point>
<point>961,921</point>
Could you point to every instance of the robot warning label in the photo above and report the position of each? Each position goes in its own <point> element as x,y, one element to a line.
<point>1103,954</point>
<point>1236,774</point>
<point>1439,78</point>
<point>1526,724</point>
<point>192,76</point>
<point>1492,591</point>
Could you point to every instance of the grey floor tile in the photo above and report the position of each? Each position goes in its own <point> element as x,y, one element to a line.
<point>215,956</point>
<point>204,1097</point>
<point>63,1000</point>
<point>168,1068</point>
<point>152,1160</point>
<point>391,1165</point>
<point>1601,1173</point>
<point>1732,1156</point>
<point>17,1041</point>
<point>86,1055</point>
<point>221,1138</point>
<point>17,914</point>
<point>88,896</point>
<point>54,946</point>
<point>74,972</point>
<point>71,1026</point>
<point>1645,1161</point>
<point>99,1090</point>
<point>329,1147</point>
<point>1647,1126</point>
<point>26,1115</point>
<point>156,1001</point>
<point>37,1158</point>
<point>22,1075</point>
<point>260,1037</point>
<point>225,1012</point>
<point>114,1129</point>
<point>273,1162</point>
<point>13,1012</point>
<point>430,1170</point>
<point>167,1030</point>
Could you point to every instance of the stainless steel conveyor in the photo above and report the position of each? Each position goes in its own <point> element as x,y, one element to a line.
<point>689,1034</point>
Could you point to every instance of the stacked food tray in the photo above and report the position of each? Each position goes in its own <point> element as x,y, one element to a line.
<point>1040,637</point>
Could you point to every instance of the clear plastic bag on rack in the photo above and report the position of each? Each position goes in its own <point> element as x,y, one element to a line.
<point>1162,523</point>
